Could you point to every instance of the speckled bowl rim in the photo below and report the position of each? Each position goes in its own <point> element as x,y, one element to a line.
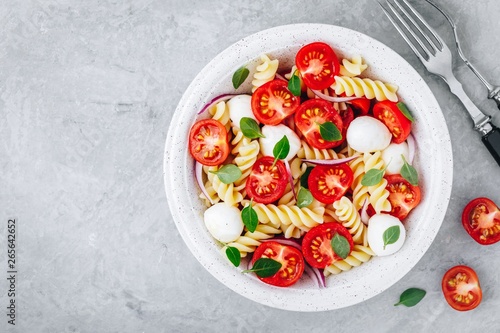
<point>430,131</point>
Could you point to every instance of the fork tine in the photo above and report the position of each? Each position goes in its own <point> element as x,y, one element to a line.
<point>424,22</point>
<point>433,45</point>
<point>422,56</point>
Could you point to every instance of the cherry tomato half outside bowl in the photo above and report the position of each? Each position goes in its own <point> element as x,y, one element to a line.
<point>461,288</point>
<point>481,220</point>
<point>290,258</point>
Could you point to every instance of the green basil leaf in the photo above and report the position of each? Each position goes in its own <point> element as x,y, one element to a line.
<point>305,176</point>
<point>240,76</point>
<point>282,148</point>
<point>409,172</point>
<point>340,245</point>
<point>372,177</point>
<point>228,174</point>
<point>250,218</point>
<point>304,197</point>
<point>250,128</point>
<point>294,85</point>
<point>265,267</point>
<point>391,235</point>
<point>329,131</point>
<point>411,297</point>
<point>404,110</point>
<point>233,255</point>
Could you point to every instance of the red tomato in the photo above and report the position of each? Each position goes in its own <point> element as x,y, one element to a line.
<point>291,259</point>
<point>313,112</point>
<point>266,183</point>
<point>347,116</point>
<point>328,183</point>
<point>403,196</point>
<point>208,142</point>
<point>272,102</point>
<point>461,288</point>
<point>318,64</point>
<point>389,113</point>
<point>317,247</point>
<point>481,220</point>
<point>361,106</point>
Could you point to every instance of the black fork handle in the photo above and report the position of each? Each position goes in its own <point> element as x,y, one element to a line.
<point>492,141</point>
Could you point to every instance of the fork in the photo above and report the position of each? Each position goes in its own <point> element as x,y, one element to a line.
<point>436,57</point>
<point>493,91</point>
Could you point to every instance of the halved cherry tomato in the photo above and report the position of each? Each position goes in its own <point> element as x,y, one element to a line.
<point>328,183</point>
<point>361,106</point>
<point>461,288</point>
<point>317,247</point>
<point>267,183</point>
<point>208,142</point>
<point>272,102</point>
<point>347,116</point>
<point>403,196</point>
<point>310,114</point>
<point>291,259</point>
<point>318,64</point>
<point>390,114</point>
<point>481,220</point>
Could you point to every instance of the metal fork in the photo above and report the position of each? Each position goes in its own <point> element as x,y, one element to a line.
<point>436,57</point>
<point>493,91</point>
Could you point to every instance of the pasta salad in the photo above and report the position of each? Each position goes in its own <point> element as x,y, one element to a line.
<point>310,171</point>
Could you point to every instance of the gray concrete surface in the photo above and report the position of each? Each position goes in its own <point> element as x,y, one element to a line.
<point>87,92</point>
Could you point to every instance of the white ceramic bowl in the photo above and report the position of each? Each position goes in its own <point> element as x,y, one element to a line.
<point>434,163</point>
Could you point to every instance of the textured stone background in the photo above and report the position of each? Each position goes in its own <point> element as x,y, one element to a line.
<point>87,92</point>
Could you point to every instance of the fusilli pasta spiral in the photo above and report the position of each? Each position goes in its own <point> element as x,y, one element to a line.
<point>265,72</point>
<point>359,255</point>
<point>246,152</point>
<point>365,87</point>
<point>378,193</point>
<point>226,192</point>
<point>353,67</point>
<point>349,217</point>
<point>303,218</point>
<point>308,152</point>
<point>220,112</point>
<point>248,242</point>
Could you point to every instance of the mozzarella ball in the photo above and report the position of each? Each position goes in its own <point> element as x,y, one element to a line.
<point>273,134</point>
<point>240,106</point>
<point>367,134</point>
<point>224,222</point>
<point>392,157</point>
<point>377,225</point>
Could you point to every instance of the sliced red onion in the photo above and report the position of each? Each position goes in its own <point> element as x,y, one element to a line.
<point>411,148</point>
<point>330,162</point>
<point>279,76</point>
<point>199,179</point>
<point>334,99</point>
<point>290,178</point>
<point>364,213</point>
<point>284,241</point>
<point>220,98</point>
<point>316,275</point>
<point>249,264</point>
